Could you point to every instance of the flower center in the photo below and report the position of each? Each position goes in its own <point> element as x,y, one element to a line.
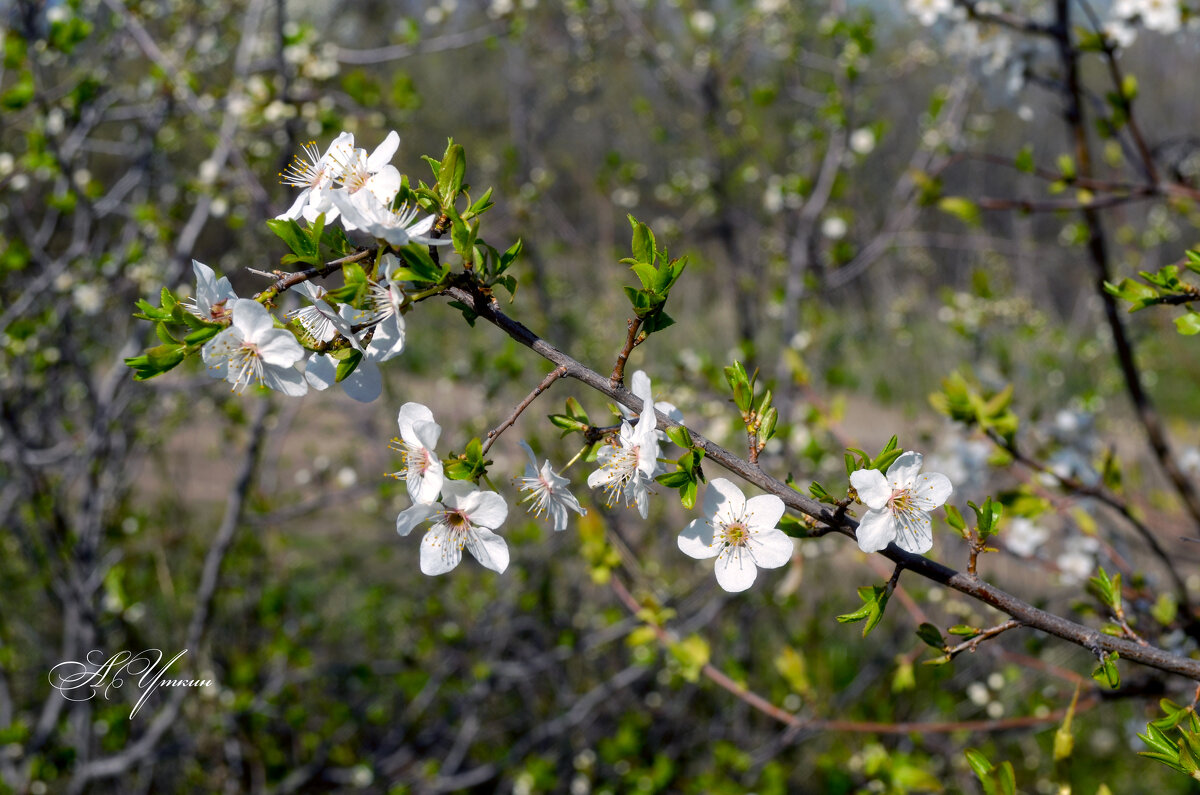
<point>736,534</point>
<point>900,501</point>
<point>248,361</point>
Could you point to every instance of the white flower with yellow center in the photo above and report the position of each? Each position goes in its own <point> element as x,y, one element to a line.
<point>422,468</point>
<point>741,534</point>
<point>211,301</point>
<point>548,492</point>
<point>317,175</point>
<point>465,518</point>
<point>899,504</point>
<point>628,467</point>
<point>321,320</point>
<point>372,174</point>
<point>253,351</point>
<point>367,213</point>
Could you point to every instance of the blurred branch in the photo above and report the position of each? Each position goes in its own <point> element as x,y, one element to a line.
<point>140,750</point>
<point>396,52</point>
<point>1098,251</point>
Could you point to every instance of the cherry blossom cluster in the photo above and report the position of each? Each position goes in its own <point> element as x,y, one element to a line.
<point>251,350</point>
<point>358,189</point>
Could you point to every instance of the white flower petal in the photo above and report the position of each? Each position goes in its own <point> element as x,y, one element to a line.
<point>412,516</point>
<point>485,509</point>
<point>365,384</point>
<point>735,569</point>
<point>411,413</point>
<point>287,380</point>
<point>440,550</point>
<point>251,318</point>
<point>488,548</point>
<point>872,488</point>
<point>914,532</point>
<point>456,492</point>
<point>726,503</point>
<point>904,470</point>
<point>931,491</point>
<point>531,471</point>
<point>696,540</point>
<point>876,530</point>
<point>764,512</point>
<point>384,152</point>
<point>278,348</point>
<point>320,372</point>
<point>639,385</point>
<point>771,548</point>
<point>425,478</point>
<point>427,433</point>
<point>388,340</point>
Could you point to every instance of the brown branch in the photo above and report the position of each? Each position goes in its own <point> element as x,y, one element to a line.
<point>1092,639</point>
<point>1112,501</point>
<point>1097,247</point>
<point>493,434</point>
<point>286,281</point>
<point>632,341</point>
<point>797,724</point>
<point>987,634</point>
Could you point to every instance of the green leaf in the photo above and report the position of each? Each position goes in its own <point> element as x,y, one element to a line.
<point>680,436</point>
<point>1024,160</point>
<point>962,208</point>
<point>451,172</point>
<point>979,763</point>
<point>643,245</point>
<point>955,519</point>
<point>1106,673</point>
<point>931,635</point>
<point>1188,324</point>
<point>875,599</point>
<point>347,366</point>
<point>156,361</point>
<point>693,653</point>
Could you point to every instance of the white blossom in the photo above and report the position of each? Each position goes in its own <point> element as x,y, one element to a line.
<point>320,320</point>
<point>899,504</point>
<point>548,492</point>
<point>862,141</point>
<point>316,174</point>
<point>1078,559</point>
<point>384,299</point>
<point>628,467</point>
<point>212,294</point>
<point>422,468</point>
<point>927,12</point>
<point>399,227</point>
<point>465,517</point>
<point>1022,537</point>
<point>371,173</point>
<point>365,384</point>
<point>252,350</point>
<point>741,534</point>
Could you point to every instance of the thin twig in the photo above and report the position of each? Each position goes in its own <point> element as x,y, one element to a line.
<point>631,342</point>
<point>494,434</point>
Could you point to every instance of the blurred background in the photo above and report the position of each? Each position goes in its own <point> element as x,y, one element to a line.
<point>796,152</point>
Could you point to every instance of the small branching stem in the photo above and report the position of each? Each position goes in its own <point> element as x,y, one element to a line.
<point>633,339</point>
<point>989,633</point>
<point>555,374</point>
